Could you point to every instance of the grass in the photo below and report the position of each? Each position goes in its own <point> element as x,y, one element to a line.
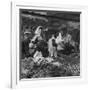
<point>60,67</point>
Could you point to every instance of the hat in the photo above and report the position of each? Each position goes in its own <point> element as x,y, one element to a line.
<point>27,32</point>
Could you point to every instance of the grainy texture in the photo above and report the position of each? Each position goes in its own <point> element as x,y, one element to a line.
<point>49,44</point>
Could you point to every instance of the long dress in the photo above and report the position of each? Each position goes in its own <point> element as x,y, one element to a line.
<point>51,48</point>
<point>59,41</point>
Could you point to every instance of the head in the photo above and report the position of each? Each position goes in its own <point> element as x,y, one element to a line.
<point>38,30</point>
<point>26,36</point>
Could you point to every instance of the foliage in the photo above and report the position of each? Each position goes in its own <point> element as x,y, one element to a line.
<point>58,67</point>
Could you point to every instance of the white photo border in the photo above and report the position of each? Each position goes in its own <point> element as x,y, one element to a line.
<point>15,80</point>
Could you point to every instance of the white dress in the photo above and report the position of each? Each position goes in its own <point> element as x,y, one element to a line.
<point>59,41</point>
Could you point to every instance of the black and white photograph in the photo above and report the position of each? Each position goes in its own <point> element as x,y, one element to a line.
<point>49,43</point>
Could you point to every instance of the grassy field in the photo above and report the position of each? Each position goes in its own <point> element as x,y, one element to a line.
<point>50,67</point>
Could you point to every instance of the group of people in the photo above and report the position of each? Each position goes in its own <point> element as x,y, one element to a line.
<point>38,45</point>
